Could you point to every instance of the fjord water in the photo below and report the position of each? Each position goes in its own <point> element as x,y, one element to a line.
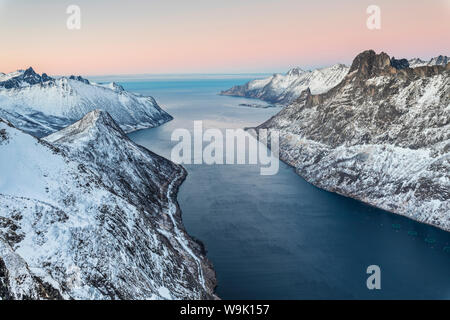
<point>278,237</point>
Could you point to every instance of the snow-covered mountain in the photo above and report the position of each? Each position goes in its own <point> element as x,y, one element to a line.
<point>381,136</point>
<point>436,61</point>
<point>40,105</point>
<point>22,78</point>
<point>284,89</point>
<point>88,214</point>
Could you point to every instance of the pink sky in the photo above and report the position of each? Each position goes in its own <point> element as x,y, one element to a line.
<point>207,36</point>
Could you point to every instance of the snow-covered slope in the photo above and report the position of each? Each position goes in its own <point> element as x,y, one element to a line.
<point>91,215</point>
<point>284,89</point>
<point>381,136</point>
<point>40,105</point>
<point>436,61</point>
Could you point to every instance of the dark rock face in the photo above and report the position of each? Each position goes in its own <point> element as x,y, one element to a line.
<point>400,63</point>
<point>79,78</point>
<point>369,64</point>
<point>381,136</point>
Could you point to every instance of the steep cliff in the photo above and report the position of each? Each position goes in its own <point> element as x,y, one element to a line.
<point>380,136</point>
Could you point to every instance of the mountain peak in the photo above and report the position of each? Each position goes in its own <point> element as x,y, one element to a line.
<point>113,86</point>
<point>399,63</point>
<point>22,78</point>
<point>29,71</point>
<point>295,71</point>
<point>94,122</point>
<point>369,63</point>
<point>286,88</point>
<point>378,115</point>
<point>111,195</point>
<point>439,60</point>
<point>102,117</point>
<point>79,78</point>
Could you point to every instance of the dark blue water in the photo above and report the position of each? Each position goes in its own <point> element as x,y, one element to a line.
<point>278,237</point>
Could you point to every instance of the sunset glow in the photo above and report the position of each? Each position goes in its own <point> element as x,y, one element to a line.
<point>202,36</point>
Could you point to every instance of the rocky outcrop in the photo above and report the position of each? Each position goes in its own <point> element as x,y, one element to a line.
<point>381,136</point>
<point>399,63</point>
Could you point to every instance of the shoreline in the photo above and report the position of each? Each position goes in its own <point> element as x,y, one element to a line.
<point>365,202</point>
<point>207,270</point>
<point>276,104</point>
<point>347,195</point>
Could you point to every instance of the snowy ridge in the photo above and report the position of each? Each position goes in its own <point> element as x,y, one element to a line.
<point>284,89</point>
<point>436,61</point>
<point>88,214</point>
<point>381,136</point>
<point>41,105</point>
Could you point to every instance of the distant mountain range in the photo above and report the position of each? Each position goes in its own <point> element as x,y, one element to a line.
<point>436,61</point>
<point>40,105</point>
<point>284,89</point>
<point>382,136</point>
